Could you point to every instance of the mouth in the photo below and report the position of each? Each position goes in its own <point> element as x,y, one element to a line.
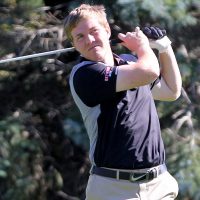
<point>91,48</point>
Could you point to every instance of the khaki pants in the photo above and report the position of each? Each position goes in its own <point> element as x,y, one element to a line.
<point>164,187</point>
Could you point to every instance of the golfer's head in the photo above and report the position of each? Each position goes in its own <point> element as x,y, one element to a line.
<point>88,30</point>
<point>84,11</point>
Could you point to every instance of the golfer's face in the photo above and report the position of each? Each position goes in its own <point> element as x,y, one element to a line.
<point>91,39</point>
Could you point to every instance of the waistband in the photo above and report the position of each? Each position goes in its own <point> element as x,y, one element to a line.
<point>131,176</point>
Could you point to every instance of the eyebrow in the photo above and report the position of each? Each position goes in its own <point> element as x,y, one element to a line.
<point>78,35</point>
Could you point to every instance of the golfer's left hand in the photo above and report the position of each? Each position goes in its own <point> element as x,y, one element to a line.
<point>157,38</point>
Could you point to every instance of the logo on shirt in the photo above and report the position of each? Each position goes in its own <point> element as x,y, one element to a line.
<point>108,73</point>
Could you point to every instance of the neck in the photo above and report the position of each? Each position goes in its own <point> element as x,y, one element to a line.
<point>109,59</point>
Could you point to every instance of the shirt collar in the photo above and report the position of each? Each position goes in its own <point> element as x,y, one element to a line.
<point>117,60</point>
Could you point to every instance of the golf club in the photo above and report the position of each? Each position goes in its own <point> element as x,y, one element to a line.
<point>147,31</point>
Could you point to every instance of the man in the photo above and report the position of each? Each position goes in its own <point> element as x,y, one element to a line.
<point>115,97</point>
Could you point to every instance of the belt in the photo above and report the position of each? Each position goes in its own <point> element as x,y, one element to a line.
<point>133,176</point>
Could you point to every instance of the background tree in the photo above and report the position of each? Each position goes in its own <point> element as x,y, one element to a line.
<point>44,147</point>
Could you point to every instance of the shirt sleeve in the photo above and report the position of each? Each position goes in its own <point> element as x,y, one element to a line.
<point>95,83</point>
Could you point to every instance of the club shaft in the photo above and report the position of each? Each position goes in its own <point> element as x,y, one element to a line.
<point>58,51</point>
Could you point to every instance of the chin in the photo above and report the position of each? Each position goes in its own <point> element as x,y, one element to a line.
<point>95,58</point>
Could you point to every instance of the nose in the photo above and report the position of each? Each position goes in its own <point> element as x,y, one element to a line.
<point>89,39</point>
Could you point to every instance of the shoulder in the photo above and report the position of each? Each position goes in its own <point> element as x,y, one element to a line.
<point>93,82</point>
<point>87,69</point>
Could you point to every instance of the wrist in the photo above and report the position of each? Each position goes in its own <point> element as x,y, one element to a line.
<point>161,44</point>
<point>143,49</point>
<point>165,50</point>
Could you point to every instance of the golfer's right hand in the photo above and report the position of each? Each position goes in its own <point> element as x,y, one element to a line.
<point>134,41</point>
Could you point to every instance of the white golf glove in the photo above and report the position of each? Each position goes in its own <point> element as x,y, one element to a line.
<point>157,38</point>
<point>161,44</point>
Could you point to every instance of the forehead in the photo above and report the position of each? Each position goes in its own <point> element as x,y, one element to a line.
<point>85,25</point>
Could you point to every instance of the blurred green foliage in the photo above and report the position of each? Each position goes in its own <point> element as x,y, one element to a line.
<point>44,146</point>
<point>21,173</point>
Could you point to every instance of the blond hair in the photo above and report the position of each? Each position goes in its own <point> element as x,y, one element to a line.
<point>84,11</point>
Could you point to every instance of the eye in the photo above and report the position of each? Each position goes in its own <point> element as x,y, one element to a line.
<point>95,30</point>
<point>79,37</point>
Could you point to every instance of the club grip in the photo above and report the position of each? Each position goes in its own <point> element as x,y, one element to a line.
<point>149,32</point>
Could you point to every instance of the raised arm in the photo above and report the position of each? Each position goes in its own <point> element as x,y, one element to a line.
<point>142,72</point>
<point>169,87</point>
